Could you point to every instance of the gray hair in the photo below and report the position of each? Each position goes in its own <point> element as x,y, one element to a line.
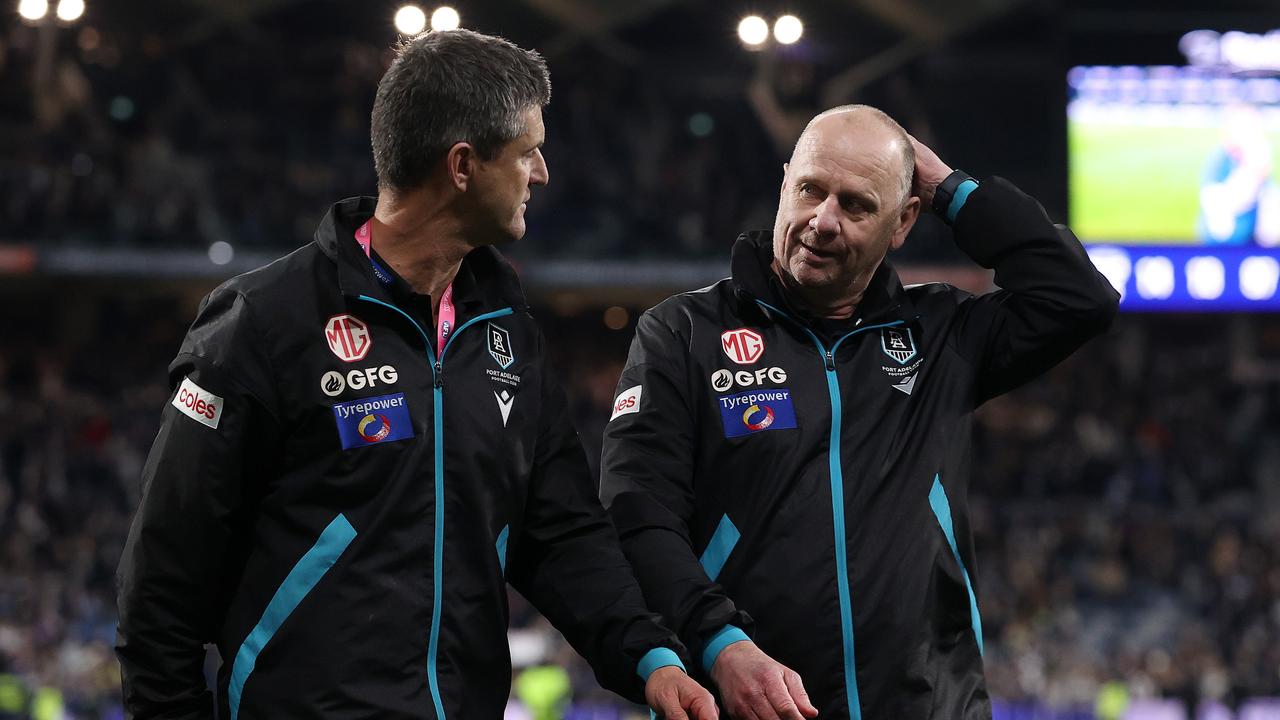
<point>907,172</point>
<point>449,87</point>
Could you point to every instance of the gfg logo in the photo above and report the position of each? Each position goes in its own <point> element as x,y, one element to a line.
<point>333,382</point>
<point>723,380</point>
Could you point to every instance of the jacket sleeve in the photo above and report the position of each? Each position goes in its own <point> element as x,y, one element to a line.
<point>1051,298</point>
<point>646,481</point>
<point>566,560</point>
<point>186,546</point>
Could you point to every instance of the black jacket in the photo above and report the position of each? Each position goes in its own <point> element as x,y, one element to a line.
<point>811,476</point>
<point>342,529</point>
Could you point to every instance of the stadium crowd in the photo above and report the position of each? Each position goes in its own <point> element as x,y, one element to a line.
<point>1127,541</point>
<point>157,153</point>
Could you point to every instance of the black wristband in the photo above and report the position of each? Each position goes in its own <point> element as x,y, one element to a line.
<point>946,191</point>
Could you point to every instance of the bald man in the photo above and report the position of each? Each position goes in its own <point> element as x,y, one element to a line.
<point>788,458</point>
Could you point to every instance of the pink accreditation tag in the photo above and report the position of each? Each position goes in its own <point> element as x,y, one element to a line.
<point>444,323</point>
<point>364,236</point>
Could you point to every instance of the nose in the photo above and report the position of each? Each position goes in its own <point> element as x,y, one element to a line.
<point>540,174</point>
<point>826,218</point>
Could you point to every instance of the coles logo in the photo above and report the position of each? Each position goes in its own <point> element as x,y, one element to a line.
<point>348,337</point>
<point>743,346</point>
<point>198,404</point>
<point>374,428</point>
<point>628,402</point>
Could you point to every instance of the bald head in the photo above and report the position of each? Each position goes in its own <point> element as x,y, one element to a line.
<point>870,130</point>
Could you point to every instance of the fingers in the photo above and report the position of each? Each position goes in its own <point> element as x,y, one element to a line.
<point>669,707</point>
<point>779,697</point>
<point>701,705</point>
<point>796,687</point>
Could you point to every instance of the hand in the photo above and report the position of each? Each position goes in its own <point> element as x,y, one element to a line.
<point>674,695</point>
<point>754,685</point>
<point>930,172</point>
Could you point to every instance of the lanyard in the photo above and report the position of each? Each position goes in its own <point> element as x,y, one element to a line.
<point>444,323</point>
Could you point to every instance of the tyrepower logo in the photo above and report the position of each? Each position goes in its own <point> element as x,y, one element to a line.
<point>743,346</point>
<point>198,404</point>
<point>628,402</point>
<point>348,337</point>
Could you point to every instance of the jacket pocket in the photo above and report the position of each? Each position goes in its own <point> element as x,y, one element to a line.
<point>304,576</point>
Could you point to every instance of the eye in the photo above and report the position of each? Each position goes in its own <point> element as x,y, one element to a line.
<point>806,189</point>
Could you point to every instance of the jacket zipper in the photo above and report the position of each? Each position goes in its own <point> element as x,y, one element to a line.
<point>436,363</point>
<point>836,473</point>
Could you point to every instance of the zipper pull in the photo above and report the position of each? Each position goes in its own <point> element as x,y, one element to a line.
<point>831,361</point>
<point>439,375</point>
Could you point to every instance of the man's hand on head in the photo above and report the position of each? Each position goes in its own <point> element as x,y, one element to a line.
<point>754,685</point>
<point>674,695</point>
<point>930,171</point>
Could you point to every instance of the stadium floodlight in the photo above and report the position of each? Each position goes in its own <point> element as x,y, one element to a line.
<point>753,31</point>
<point>221,252</point>
<point>787,29</point>
<point>410,20</point>
<point>1206,277</point>
<point>70,10</point>
<point>33,9</point>
<point>445,18</point>
<point>1259,276</point>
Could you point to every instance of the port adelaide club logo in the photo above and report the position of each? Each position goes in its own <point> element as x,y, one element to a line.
<point>500,346</point>
<point>899,345</point>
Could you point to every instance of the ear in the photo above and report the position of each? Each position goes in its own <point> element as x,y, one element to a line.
<point>460,161</point>
<point>906,219</point>
<point>786,167</point>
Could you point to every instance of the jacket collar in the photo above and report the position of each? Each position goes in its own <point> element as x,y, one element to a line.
<point>885,300</point>
<point>485,278</point>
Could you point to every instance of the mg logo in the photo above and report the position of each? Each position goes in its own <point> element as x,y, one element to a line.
<point>348,337</point>
<point>743,346</point>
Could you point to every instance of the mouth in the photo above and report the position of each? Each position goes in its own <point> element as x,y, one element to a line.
<point>812,253</point>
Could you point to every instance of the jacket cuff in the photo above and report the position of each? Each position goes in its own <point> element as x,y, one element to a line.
<point>657,658</point>
<point>959,198</point>
<point>728,635</point>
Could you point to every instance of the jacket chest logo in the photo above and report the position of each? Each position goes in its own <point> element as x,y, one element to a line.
<point>756,411</point>
<point>373,420</point>
<point>743,346</point>
<point>899,343</point>
<point>500,346</point>
<point>348,337</point>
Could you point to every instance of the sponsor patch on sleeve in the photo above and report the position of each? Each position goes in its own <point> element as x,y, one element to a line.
<point>757,411</point>
<point>628,402</point>
<point>373,420</point>
<point>198,404</point>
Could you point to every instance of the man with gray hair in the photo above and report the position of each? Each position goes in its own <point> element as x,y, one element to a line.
<point>364,445</point>
<point>787,460</point>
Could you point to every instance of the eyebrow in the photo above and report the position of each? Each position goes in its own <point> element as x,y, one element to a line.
<point>862,198</point>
